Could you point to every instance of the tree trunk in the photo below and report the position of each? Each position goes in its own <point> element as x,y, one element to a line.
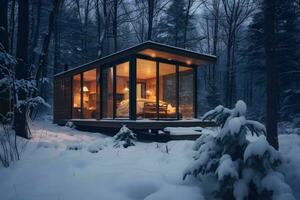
<point>3,25</point>
<point>99,22</point>
<point>4,46</point>
<point>36,31</point>
<point>43,60</point>
<point>216,32</point>
<point>56,62</point>
<point>228,71</point>
<point>150,18</point>
<point>272,73</point>
<point>86,17</point>
<point>186,23</point>
<point>12,25</point>
<point>21,71</point>
<point>105,44</point>
<point>115,25</point>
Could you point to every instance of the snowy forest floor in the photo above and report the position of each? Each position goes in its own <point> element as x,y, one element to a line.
<point>63,163</point>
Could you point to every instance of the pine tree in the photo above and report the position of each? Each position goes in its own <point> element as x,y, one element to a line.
<point>287,54</point>
<point>287,50</point>
<point>242,168</point>
<point>125,137</point>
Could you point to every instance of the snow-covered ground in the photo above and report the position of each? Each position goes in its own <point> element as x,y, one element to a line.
<point>63,163</point>
<point>51,168</point>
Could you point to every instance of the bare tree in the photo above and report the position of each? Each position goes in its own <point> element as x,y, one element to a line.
<point>272,73</point>
<point>150,18</point>
<point>43,59</point>
<point>236,12</point>
<point>103,25</point>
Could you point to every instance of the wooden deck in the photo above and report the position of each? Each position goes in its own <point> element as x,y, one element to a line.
<point>141,124</point>
<point>142,127</point>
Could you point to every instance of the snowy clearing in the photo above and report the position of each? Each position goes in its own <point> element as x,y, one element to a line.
<point>63,163</point>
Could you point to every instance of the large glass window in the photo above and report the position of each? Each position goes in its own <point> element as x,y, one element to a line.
<point>122,90</point>
<point>89,94</point>
<point>167,90</point>
<point>186,92</point>
<point>107,92</point>
<point>76,108</point>
<point>150,102</point>
<point>146,89</point>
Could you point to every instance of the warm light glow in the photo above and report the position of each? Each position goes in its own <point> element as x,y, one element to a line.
<point>188,62</point>
<point>85,89</point>
<point>148,92</point>
<point>126,89</point>
<point>153,55</point>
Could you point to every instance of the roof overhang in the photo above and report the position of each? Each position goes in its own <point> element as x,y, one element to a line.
<point>151,49</point>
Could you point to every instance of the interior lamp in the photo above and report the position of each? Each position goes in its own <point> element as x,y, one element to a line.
<point>85,89</point>
<point>148,92</point>
<point>126,89</point>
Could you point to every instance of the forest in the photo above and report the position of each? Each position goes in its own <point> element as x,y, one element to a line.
<point>256,42</point>
<point>51,36</point>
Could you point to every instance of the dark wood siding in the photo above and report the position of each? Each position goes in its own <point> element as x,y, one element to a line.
<point>62,99</point>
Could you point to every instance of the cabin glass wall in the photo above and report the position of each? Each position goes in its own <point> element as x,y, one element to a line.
<point>167,91</point>
<point>76,88</point>
<point>146,89</point>
<point>107,92</point>
<point>89,94</point>
<point>122,90</point>
<point>186,92</point>
<point>98,97</point>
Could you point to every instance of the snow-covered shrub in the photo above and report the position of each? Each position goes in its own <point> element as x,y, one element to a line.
<point>243,169</point>
<point>125,137</point>
<point>70,124</point>
<point>23,94</point>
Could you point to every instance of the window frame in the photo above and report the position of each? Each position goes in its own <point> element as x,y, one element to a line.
<point>177,66</point>
<point>132,59</point>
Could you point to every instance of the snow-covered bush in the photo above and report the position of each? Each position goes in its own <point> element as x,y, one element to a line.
<point>22,93</point>
<point>125,137</point>
<point>70,124</point>
<point>243,169</point>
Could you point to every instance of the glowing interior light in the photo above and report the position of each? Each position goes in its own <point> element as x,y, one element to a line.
<point>126,89</point>
<point>85,89</point>
<point>188,62</point>
<point>148,92</point>
<point>153,55</point>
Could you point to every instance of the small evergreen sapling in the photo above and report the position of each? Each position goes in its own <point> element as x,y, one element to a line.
<point>125,137</point>
<point>243,169</point>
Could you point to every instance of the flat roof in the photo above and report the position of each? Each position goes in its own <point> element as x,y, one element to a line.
<point>151,49</point>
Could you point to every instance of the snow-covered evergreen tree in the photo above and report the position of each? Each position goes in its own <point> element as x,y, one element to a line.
<point>125,137</point>
<point>244,169</point>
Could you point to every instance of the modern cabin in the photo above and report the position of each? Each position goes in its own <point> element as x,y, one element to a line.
<point>148,86</point>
